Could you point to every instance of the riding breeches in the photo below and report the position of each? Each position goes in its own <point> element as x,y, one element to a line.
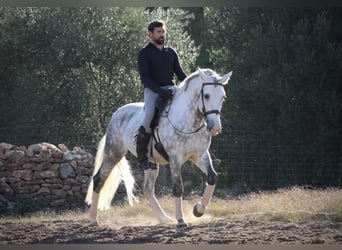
<point>150,99</point>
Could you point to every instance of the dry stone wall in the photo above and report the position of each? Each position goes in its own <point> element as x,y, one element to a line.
<point>46,175</point>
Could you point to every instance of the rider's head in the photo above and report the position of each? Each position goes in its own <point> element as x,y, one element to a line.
<point>157,31</point>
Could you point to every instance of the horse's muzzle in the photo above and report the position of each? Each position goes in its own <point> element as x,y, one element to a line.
<point>214,128</point>
<point>214,131</point>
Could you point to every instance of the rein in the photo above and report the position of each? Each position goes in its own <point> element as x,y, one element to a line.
<point>205,113</point>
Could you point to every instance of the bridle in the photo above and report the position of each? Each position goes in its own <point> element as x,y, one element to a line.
<point>214,111</point>
<point>204,111</point>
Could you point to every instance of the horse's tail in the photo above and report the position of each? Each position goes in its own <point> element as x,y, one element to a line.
<point>120,172</point>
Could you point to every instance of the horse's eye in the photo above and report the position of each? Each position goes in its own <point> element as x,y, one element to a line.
<point>206,96</point>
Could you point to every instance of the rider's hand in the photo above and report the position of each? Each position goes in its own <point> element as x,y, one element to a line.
<point>166,94</point>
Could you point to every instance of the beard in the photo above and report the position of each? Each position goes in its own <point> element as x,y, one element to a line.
<point>160,40</point>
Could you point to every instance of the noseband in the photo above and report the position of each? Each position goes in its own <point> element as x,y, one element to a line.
<point>214,111</point>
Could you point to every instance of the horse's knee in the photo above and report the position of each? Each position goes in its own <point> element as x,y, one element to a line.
<point>178,189</point>
<point>212,178</point>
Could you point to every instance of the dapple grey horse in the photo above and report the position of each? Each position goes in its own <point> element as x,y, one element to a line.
<point>185,129</point>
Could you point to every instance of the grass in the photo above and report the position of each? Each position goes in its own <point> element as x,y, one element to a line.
<point>294,205</point>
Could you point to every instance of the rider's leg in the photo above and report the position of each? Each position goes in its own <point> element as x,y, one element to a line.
<point>144,133</point>
<point>143,139</point>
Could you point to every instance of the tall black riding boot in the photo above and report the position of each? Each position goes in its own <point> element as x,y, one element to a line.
<point>143,139</point>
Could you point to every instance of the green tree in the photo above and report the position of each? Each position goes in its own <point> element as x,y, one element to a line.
<point>285,89</point>
<point>66,70</point>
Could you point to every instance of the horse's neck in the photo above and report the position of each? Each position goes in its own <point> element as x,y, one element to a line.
<point>184,109</point>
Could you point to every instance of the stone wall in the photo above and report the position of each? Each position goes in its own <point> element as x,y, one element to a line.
<point>46,175</point>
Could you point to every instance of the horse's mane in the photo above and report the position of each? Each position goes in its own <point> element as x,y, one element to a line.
<point>185,84</point>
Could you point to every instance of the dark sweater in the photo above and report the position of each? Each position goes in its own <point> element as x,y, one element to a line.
<point>157,67</point>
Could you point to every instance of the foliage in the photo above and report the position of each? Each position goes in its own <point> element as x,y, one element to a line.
<point>285,88</point>
<point>66,70</point>
<point>26,207</point>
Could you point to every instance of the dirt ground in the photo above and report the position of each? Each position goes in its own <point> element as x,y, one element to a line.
<point>217,232</point>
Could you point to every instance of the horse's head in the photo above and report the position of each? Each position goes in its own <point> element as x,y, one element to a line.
<point>211,97</point>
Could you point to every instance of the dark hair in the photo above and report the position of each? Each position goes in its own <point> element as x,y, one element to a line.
<point>155,24</point>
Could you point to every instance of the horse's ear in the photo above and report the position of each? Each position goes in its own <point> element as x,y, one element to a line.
<point>224,79</point>
<point>203,76</point>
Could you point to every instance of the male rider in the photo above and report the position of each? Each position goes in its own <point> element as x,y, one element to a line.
<point>157,65</point>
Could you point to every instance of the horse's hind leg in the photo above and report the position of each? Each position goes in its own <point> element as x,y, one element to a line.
<point>99,181</point>
<point>150,177</point>
<point>102,185</point>
<point>178,189</point>
<point>93,209</point>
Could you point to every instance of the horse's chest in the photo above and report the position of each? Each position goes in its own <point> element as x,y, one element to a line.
<point>186,143</point>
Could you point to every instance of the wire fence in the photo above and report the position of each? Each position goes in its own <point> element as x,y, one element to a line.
<point>245,161</point>
<point>252,162</point>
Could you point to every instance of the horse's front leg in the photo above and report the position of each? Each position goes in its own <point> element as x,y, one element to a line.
<point>178,192</point>
<point>205,164</point>
<point>150,177</point>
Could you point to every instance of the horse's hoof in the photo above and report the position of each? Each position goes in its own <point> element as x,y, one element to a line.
<point>199,210</point>
<point>93,223</point>
<point>181,223</point>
